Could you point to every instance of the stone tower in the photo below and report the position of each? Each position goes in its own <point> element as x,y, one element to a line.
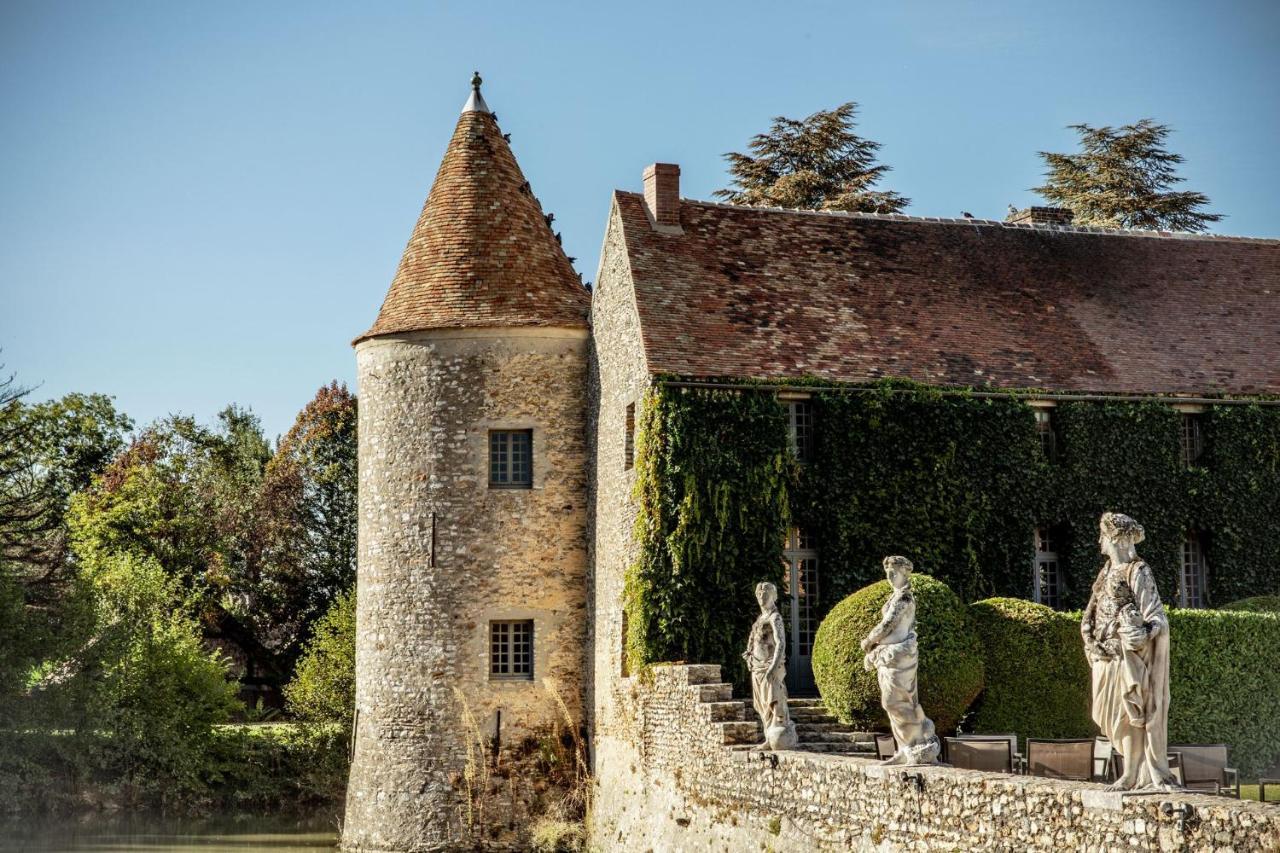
<point>473,466</point>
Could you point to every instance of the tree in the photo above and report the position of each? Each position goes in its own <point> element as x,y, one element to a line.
<point>1121,178</point>
<point>816,163</point>
<point>324,684</point>
<point>308,503</point>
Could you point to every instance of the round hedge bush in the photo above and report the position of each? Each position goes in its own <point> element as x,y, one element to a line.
<point>1257,604</point>
<point>950,674</point>
<point>1037,677</point>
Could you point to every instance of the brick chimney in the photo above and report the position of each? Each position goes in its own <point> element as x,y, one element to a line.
<point>1040,216</point>
<point>662,195</point>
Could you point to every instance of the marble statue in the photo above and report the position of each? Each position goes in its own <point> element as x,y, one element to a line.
<point>1126,639</point>
<point>891,650</point>
<point>766,658</point>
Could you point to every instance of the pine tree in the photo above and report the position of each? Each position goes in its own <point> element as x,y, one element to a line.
<point>816,163</point>
<point>1121,178</point>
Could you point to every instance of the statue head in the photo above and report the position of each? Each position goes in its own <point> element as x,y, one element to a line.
<point>1118,535</point>
<point>898,571</point>
<point>767,595</point>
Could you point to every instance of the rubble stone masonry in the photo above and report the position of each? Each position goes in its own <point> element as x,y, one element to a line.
<point>441,555</point>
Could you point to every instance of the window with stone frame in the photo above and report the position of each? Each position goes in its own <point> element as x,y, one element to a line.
<point>800,429</point>
<point>511,459</point>
<point>1046,577</point>
<point>511,650</point>
<point>1192,438</point>
<point>1194,577</point>
<point>1044,429</point>
<point>629,441</point>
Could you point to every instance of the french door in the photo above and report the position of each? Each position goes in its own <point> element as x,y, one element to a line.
<point>799,606</point>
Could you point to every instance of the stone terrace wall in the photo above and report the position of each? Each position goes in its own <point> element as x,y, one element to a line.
<point>672,780</point>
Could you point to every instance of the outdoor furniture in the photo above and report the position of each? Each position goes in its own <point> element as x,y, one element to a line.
<point>1019,761</point>
<point>1061,759</point>
<point>1204,768</point>
<point>1262,788</point>
<point>886,747</point>
<point>1102,760</point>
<point>993,756</point>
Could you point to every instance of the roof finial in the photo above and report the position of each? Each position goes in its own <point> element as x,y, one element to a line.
<point>475,103</point>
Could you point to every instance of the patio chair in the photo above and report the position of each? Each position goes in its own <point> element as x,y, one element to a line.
<point>1019,761</point>
<point>886,747</point>
<point>992,756</point>
<point>1204,768</point>
<point>1061,759</point>
<point>1102,760</point>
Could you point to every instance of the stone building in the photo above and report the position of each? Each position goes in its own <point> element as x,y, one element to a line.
<point>499,408</point>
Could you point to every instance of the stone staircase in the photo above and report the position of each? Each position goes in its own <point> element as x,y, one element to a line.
<point>740,729</point>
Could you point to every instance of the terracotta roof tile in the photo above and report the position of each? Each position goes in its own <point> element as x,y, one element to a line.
<point>482,253</point>
<point>768,294</point>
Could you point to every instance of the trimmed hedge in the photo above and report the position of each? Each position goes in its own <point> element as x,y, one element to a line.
<point>1257,604</point>
<point>950,675</point>
<point>1225,686</point>
<point>1037,678</point>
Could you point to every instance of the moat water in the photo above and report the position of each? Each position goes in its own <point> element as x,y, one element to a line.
<point>222,834</point>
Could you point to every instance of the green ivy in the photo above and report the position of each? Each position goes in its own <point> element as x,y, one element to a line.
<point>953,481</point>
<point>713,479</point>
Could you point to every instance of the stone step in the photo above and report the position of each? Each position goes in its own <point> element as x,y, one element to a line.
<point>811,715</point>
<point>837,748</point>
<point>747,731</point>
<point>727,711</point>
<point>823,727</point>
<point>834,737</point>
<point>806,703</point>
<point>721,692</point>
<point>703,673</point>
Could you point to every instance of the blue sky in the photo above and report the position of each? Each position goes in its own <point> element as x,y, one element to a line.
<point>203,203</point>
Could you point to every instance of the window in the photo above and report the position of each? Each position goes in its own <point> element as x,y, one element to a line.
<point>1044,578</point>
<point>799,604</point>
<point>1192,438</point>
<point>800,429</point>
<point>1194,575</point>
<point>629,443</point>
<point>511,459</point>
<point>1044,428</point>
<point>511,650</point>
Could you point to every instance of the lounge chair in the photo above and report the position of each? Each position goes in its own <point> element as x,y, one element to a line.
<point>993,756</point>
<point>1204,768</point>
<point>1061,759</point>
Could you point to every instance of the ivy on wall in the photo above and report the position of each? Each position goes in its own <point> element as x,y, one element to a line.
<point>955,482</point>
<point>713,476</point>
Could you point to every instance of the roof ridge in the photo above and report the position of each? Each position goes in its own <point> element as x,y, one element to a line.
<point>1020,226</point>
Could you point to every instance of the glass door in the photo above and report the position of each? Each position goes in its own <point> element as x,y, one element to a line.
<point>799,606</point>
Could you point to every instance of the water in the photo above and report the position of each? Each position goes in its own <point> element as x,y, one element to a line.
<point>223,834</point>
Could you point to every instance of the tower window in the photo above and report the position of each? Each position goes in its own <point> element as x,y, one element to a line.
<point>511,459</point>
<point>1194,575</point>
<point>1192,438</point>
<point>1045,576</point>
<point>800,429</point>
<point>629,442</point>
<point>1044,429</point>
<point>511,650</point>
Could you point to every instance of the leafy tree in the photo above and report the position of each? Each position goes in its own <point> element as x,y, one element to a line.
<point>1122,178</point>
<point>308,505</point>
<point>815,163</point>
<point>324,684</point>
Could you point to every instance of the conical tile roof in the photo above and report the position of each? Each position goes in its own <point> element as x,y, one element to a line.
<point>482,253</point>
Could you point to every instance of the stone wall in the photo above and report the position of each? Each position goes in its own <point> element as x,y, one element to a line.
<point>680,779</point>
<point>618,378</point>
<point>441,554</point>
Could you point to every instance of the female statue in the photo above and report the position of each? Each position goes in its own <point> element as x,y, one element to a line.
<point>891,650</point>
<point>766,658</point>
<point>1126,639</point>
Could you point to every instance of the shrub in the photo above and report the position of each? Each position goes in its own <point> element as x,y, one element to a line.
<point>1257,604</point>
<point>1037,678</point>
<point>950,674</point>
<point>324,684</point>
<point>1224,684</point>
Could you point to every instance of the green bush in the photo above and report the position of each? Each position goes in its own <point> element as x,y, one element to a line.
<point>1257,604</point>
<point>950,674</point>
<point>1037,678</point>
<point>323,688</point>
<point>1224,684</point>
